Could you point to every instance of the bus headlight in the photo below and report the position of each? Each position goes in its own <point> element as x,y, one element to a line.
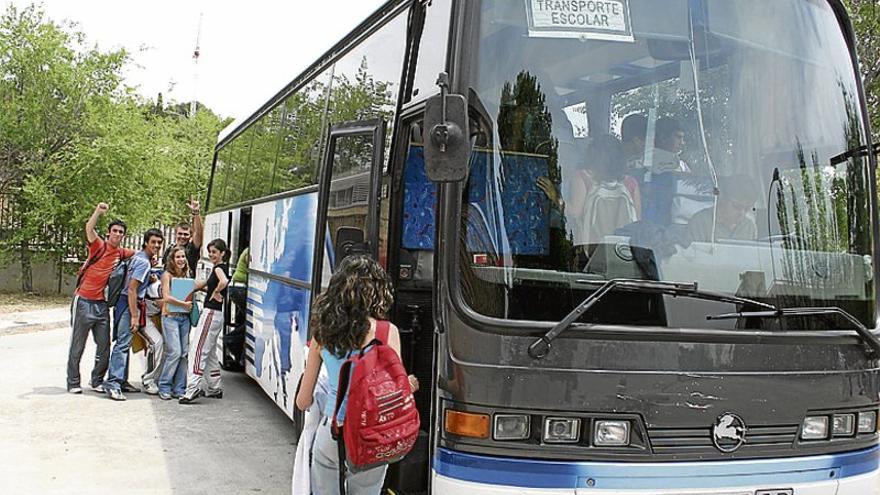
<point>815,428</point>
<point>843,425</point>
<point>611,433</point>
<point>868,422</point>
<point>511,427</point>
<point>562,430</point>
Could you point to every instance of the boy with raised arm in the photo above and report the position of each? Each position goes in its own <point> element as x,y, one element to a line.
<point>89,312</point>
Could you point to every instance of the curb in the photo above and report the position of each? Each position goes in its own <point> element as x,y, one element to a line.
<point>34,327</point>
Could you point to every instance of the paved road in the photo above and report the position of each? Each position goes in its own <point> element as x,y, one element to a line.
<point>52,442</point>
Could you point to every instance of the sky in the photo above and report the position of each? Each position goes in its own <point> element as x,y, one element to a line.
<point>249,49</point>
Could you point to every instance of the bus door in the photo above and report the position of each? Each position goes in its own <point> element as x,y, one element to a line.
<point>348,201</point>
<point>233,335</point>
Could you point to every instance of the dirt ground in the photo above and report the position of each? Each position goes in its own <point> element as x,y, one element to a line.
<point>17,302</point>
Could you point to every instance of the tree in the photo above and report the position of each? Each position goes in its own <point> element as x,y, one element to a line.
<point>48,81</point>
<point>72,135</point>
<point>865,16</point>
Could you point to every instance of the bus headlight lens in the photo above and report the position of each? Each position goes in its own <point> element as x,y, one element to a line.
<point>511,427</point>
<point>868,422</point>
<point>843,425</point>
<point>815,428</point>
<point>562,430</point>
<point>611,433</point>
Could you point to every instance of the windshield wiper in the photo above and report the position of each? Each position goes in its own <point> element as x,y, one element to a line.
<point>871,341</point>
<point>541,347</point>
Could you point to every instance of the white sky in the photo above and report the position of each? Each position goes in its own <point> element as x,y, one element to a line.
<point>249,48</point>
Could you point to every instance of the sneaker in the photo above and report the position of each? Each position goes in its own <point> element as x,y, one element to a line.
<point>75,390</point>
<point>129,388</point>
<point>189,400</point>
<point>116,394</point>
<point>175,395</point>
<point>214,395</point>
<point>164,396</point>
<point>152,389</point>
<point>99,388</point>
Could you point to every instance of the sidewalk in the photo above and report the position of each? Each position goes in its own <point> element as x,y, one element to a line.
<point>34,321</point>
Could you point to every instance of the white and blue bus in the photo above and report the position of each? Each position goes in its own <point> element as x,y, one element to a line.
<point>632,241</point>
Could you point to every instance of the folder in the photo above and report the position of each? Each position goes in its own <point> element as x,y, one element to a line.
<point>180,289</point>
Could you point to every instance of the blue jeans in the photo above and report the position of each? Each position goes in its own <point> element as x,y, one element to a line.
<point>119,355</point>
<point>176,333</point>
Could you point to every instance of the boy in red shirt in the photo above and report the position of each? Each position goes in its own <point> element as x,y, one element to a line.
<point>89,312</point>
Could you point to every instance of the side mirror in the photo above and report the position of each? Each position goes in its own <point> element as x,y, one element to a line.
<point>447,145</point>
<point>349,241</point>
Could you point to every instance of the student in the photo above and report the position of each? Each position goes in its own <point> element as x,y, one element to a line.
<point>343,321</point>
<point>668,145</point>
<point>736,200</point>
<point>152,333</point>
<point>176,325</point>
<point>203,348</point>
<point>189,237</point>
<point>238,290</point>
<point>131,311</point>
<point>89,312</point>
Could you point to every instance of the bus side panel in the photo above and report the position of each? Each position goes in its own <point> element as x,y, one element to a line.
<point>282,243</point>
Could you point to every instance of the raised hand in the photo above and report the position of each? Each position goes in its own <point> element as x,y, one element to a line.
<point>193,205</point>
<point>102,208</point>
<point>546,185</point>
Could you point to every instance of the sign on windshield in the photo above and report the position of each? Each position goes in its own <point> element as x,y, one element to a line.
<point>582,19</point>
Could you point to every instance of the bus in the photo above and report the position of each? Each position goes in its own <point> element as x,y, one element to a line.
<point>632,241</point>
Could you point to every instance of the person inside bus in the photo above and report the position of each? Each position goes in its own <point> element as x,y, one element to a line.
<point>633,132</point>
<point>736,200</point>
<point>603,196</point>
<point>343,321</point>
<point>664,167</point>
<point>668,145</point>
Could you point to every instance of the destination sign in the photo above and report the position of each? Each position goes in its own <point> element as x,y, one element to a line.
<point>583,19</point>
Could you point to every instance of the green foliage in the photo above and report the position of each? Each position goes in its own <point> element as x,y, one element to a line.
<point>72,135</point>
<point>865,17</point>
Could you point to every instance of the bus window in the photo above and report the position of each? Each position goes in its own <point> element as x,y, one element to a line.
<point>348,197</point>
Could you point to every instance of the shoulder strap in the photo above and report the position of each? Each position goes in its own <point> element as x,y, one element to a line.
<point>382,329</point>
<point>335,430</point>
<point>89,262</point>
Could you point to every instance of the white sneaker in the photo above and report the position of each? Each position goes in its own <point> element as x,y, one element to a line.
<point>116,394</point>
<point>151,389</point>
<point>75,390</point>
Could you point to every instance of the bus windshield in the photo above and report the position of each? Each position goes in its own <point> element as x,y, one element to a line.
<point>703,141</point>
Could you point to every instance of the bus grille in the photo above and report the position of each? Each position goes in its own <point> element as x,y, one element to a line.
<point>672,441</point>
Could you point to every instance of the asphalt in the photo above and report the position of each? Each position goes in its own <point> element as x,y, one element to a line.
<point>53,442</point>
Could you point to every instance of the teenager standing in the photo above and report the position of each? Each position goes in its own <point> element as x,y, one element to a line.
<point>204,343</point>
<point>131,311</point>
<point>89,312</point>
<point>176,325</point>
<point>343,322</point>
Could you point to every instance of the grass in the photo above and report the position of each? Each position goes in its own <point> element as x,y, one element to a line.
<point>15,302</point>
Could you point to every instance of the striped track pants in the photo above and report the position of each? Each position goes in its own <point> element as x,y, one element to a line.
<point>203,371</point>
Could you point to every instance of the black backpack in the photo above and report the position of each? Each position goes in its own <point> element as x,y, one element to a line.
<point>116,282</point>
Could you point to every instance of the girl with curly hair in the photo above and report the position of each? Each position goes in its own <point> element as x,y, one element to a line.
<point>343,321</point>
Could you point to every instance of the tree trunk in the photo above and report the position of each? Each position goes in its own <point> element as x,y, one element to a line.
<point>27,276</point>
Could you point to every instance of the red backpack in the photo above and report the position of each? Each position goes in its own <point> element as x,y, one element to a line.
<point>381,420</point>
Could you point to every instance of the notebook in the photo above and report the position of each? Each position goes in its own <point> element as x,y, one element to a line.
<point>180,289</point>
